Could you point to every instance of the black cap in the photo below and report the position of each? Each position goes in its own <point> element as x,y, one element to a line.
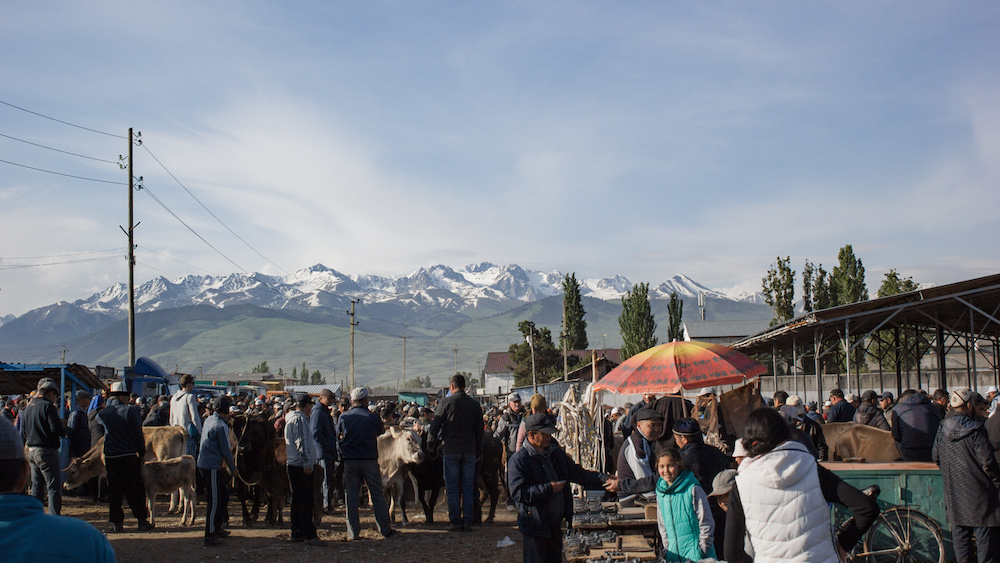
<point>687,427</point>
<point>303,400</point>
<point>869,395</point>
<point>887,395</point>
<point>540,422</point>
<point>222,403</point>
<point>648,414</point>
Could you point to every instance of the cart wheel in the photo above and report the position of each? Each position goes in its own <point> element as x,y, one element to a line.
<point>906,535</point>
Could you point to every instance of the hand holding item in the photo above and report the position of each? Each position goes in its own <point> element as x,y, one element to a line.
<point>611,485</point>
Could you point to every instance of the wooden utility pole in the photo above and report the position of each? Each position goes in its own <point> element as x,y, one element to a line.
<point>456,357</point>
<point>353,324</point>
<point>131,259</point>
<point>565,338</point>
<point>404,337</point>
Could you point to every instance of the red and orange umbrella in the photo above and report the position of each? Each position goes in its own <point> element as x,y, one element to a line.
<point>670,367</point>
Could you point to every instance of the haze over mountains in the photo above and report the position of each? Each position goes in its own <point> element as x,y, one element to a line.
<point>229,324</point>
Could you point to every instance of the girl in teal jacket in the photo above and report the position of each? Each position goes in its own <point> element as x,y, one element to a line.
<point>683,516</point>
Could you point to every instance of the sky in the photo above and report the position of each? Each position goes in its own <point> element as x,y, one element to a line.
<point>635,138</point>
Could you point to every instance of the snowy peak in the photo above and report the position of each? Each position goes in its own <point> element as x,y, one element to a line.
<point>684,286</point>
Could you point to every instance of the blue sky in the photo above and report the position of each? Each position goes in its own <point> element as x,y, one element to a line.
<point>642,139</point>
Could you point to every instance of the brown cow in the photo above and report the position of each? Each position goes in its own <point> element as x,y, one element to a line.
<point>171,475</point>
<point>850,441</point>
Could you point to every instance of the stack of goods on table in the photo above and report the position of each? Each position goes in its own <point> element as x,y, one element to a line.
<point>607,546</point>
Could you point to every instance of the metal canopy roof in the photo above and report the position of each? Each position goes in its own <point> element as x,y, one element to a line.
<point>21,379</point>
<point>970,307</point>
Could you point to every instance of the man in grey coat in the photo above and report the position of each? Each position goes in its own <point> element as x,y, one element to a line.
<point>971,479</point>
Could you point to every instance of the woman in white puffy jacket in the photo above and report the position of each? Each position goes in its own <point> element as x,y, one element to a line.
<point>780,500</point>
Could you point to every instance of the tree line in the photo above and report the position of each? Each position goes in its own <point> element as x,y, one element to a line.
<point>314,378</point>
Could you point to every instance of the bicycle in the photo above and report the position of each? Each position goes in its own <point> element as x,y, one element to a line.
<point>900,534</point>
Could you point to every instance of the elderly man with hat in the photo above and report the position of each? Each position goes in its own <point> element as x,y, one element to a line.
<point>705,462</point>
<point>357,431</point>
<point>215,449</point>
<point>42,431</point>
<point>971,478</point>
<point>637,456</point>
<point>26,532</point>
<point>538,476</point>
<point>302,457</point>
<point>124,449</point>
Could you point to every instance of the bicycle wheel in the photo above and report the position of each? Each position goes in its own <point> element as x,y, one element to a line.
<point>904,535</point>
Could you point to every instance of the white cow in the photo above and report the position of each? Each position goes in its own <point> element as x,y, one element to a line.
<point>397,449</point>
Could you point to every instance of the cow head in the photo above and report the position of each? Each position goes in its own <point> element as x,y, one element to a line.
<point>407,445</point>
<point>80,471</point>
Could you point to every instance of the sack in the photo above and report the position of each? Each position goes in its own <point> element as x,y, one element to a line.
<point>192,430</point>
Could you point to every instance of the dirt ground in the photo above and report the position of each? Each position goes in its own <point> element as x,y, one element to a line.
<point>170,542</point>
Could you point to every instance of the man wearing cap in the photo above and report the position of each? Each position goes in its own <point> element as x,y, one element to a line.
<point>458,423</point>
<point>215,449</point>
<point>538,475</point>
<point>971,479</point>
<point>302,456</point>
<point>321,423</point>
<point>78,427</point>
<point>628,424</point>
<point>124,448</point>
<point>705,462</point>
<point>357,437</point>
<point>184,413</point>
<point>841,410</point>
<point>868,412</point>
<point>42,431</point>
<point>26,532</point>
<point>885,402</point>
<point>506,431</point>
<point>637,456</point>
<point>993,398</point>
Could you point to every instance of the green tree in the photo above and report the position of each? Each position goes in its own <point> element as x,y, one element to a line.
<point>575,328</point>
<point>305,373</point>
<point>295,373</point>
<point>548,360</point>
<point>779,290</point>
<point>317,379</point>
<point>636,322</point>
<point>807,287</point>
<point>281,373</point>
<point>675,318</point>
<point>261,368</point>
<point>848,278</point>
<point>910,347</point>
<point>822,297</point>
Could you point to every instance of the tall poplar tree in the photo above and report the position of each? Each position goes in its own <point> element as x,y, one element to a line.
<point>675,316</point>
<point>575,328</point>
<point>636,322</point>
<point>848,278</point>
<point>779,290</point>
<point>910,347</point>
<point>807,287</point>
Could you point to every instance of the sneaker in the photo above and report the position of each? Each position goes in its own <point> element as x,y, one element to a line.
<point>455,528</point>
<point>315,542</point>
<point>213,541</point>
<point>119,528</point>
<point>389,534</point>
<point>145,526</point>
<point>222,534</point>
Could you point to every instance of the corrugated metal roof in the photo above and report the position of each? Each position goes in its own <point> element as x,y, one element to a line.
<point>313,389</point>
<point>500,362</point>
<point>725,329</point>
<point>20,379</point>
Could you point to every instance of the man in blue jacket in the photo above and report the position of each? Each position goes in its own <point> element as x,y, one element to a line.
<point>358,430</point>
<point>321,423</point>
<point>915,422</point>
<point>124,448</point>
<point>213,450</point>
<point>458,422</point>
<point>537,476</point>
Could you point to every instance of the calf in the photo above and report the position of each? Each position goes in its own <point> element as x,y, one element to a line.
<point>86,467</point>
<point>397,449</point>
<point>488,472</point>
<point>429,476</point>
<point>171,475</point>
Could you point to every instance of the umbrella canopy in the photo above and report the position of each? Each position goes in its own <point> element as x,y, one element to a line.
<point>668,368</point>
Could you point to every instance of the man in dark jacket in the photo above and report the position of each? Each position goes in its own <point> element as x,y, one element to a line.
<point>357,439</point>
<point>42,431</point>
<point>841,410</point>
<point>868,413</point>
<point>705,462</point>
<point>538,474</point>
<point>321,423</point>
<point>458,422</point>
<point>971,479</point>
<point>124,448</point>
<point>77,426</point>
<point>915,422</point>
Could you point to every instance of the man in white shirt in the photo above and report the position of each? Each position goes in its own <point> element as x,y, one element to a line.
<point>184,413</point>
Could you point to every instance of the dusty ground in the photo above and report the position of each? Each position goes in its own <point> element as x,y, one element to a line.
<point>170,542</point>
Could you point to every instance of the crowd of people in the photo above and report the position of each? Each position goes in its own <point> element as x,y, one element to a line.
<point>757,497</point>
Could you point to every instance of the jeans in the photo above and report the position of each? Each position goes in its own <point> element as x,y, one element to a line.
<point>971,541</point>
<point>354,473</point>
<point>459,482</point>
<point>329,493</point>
<point>46,476</point>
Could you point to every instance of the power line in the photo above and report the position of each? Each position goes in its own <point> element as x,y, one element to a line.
<point>178,261</point>
<point>62,174</point>
<point>61,121</point>
<point>221,222</point>
<point>63,255</point>
<point>22,266</point>
<point>60,150</point>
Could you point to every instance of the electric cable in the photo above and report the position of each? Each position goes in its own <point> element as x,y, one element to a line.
<point>61,121</point>
<point>60,150</point>
<point>63,174</point>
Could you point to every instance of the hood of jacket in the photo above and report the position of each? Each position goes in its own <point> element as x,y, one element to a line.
<point>958,425</point>
<point>777,469</point>
<point>915,399</point>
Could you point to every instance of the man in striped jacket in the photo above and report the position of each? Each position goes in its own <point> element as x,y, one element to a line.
<point>215,449</point>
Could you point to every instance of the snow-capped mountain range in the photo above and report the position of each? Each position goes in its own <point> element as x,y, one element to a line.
<point>319,286</point>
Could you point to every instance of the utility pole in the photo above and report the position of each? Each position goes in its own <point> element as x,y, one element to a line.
<point>531,344</point>
<point>456,357</point>
<point>353,324</point>
<point>64,353</point>
<point>404,337</point>
<point>131,250</point>
<point>565,338</point>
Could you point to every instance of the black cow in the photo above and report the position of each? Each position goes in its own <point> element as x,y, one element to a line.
<point>488,474</point>
<point>429,477</point>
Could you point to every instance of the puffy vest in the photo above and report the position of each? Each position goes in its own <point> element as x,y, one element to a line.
<point>680,522</point>
<point>787,517</point>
